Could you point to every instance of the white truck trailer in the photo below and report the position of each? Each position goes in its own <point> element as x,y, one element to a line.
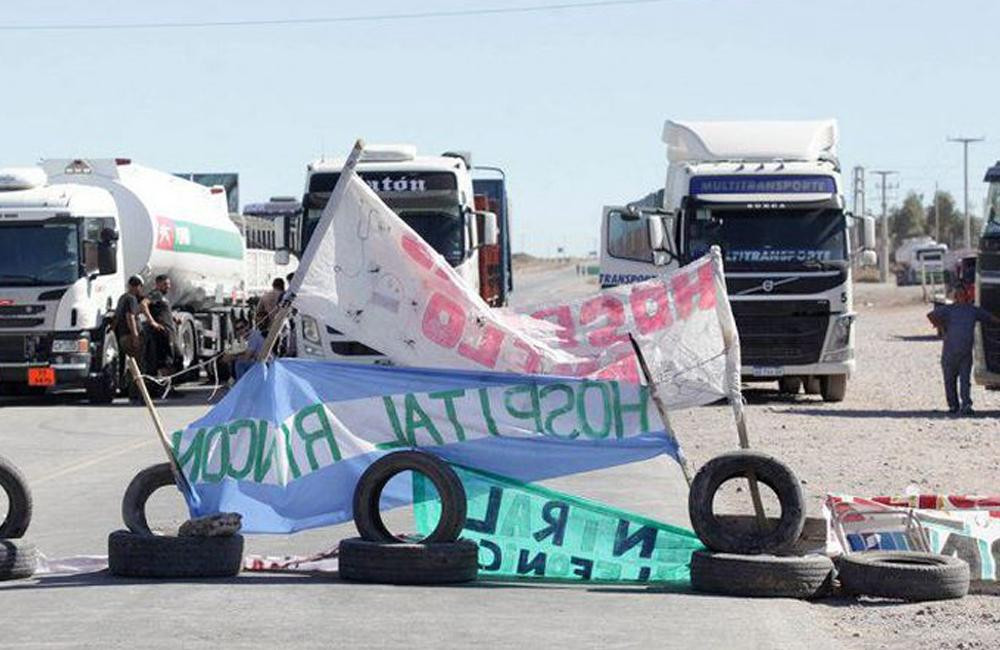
<point>463,218</point>
<point>769,194</point>
<point>71,233</point>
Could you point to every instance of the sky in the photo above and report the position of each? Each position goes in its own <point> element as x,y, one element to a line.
<point>571,103</point>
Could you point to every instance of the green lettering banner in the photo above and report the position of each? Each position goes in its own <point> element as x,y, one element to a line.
<point>528,531</point>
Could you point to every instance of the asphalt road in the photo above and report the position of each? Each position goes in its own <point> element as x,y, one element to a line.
<point>78,460</point>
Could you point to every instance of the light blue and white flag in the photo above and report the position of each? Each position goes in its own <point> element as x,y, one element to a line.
<point>286,446</point>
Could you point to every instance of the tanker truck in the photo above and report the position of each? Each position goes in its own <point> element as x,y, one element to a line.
<point>71,234</point>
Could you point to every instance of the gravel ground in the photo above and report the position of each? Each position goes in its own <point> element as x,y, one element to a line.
<point>889,433</point>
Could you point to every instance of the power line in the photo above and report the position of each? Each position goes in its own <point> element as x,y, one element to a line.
<point>485,11</point>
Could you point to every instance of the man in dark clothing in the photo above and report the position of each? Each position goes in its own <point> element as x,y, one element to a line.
<point>126,324</point>
<point>958,324</point>
<point>163,331</point>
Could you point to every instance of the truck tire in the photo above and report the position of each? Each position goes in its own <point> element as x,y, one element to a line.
<point>103,387</point>
<point>905,575</point>
<point>138,492</point>
<point>833,388</point>
<point>761,576</point>
<point>408,564</point>
<point>159,556</point>
<point>449,487</point>
<point>812,385</point>
<point>727,539</point>
<point>790,385</point>
<point>18,559</point>
<point>18,516</point>
<point>187,345</point>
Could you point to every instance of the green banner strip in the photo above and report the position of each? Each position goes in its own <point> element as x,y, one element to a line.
<point>526,531</point>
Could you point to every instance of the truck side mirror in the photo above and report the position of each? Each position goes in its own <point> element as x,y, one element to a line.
<point>868,258</point>
<point>282,257</point>
<point>107,257</point>
<point>868,234</point>
<point>489,231</point>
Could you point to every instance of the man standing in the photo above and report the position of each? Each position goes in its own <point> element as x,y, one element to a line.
<point>125,322</point>
<point>958,324</point>
<point>269,302</point>
<point>163,335</point>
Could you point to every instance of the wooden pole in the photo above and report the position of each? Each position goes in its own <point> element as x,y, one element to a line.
<point>325,220</point>
<point>133,368</point>
<point>660,406</point>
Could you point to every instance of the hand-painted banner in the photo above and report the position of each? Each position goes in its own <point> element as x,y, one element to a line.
<point>368,275</point>
<point>528,531</point>
<point>286,446</point>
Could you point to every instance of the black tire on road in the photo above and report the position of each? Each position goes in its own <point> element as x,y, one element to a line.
<point>159,556</point>
<point>812,385</point>
<point>450,491</point>
<point>790,385</point>
<point>408,564</point>
<point>833,388</point>
<point>138,492</point>
<point>904,575</point>
<point>18,516</point>
<point>18,559</point>
<point>769,471</point>
<point>761,576</point>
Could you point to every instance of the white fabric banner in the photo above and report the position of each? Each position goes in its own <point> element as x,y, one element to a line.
<point>371,277</point>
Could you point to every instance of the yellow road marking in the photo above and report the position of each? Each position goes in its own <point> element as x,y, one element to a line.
<point>94,460</point>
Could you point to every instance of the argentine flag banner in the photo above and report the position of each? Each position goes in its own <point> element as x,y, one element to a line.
<point>286,447</point>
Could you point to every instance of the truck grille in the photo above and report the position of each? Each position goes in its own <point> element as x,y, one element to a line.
<point>792,283</point>
<point>17,323</point>
<point>781,332</point>
<point>23,348</point>
<point>989,299</point>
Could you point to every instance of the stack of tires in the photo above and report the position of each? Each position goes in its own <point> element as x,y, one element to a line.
<point>377,556</point>
<point>140,553</point>
<point>748,561</point>
<point>18,559</point>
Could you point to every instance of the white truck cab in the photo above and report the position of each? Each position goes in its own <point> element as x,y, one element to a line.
<point>769,194</point>
<point>434,195</point>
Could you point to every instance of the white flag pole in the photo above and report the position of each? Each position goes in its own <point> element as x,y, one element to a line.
<point>731,341</point>
<point>325,221</point>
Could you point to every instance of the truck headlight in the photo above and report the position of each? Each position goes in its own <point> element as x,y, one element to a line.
<point>310,329</point>
<point>80,346</point>
<point>841,337</point>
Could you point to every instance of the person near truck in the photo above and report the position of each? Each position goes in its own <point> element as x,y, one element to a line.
<point>269,302</point>
<point>125,324</point>
<point>162,341</point>
<point>957,323</point>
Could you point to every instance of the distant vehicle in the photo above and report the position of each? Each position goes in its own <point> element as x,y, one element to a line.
<point>263,226</point>
<point>987,349</point>
<point>920,260</point>
<point>72,232</point>
<point>460,210</point>
<point>769,194</point>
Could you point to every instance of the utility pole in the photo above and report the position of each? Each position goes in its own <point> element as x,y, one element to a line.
<point>965,156</point>
<point>858,206</point>
<point>883,259</point>
<point>937,215</point>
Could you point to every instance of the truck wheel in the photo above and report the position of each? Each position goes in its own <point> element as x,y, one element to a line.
<point>102,388</point>
<point>188,348</point>
<point>812,385</point>
<point>833,387</point>
<point>790,385</point>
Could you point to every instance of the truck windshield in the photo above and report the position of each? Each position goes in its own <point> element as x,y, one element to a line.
<point>442,229</point>
<point>39,254</point>
<point>795,238</point>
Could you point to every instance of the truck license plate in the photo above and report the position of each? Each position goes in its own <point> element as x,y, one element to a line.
<point>41,377</point>
<point>768,372</point>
